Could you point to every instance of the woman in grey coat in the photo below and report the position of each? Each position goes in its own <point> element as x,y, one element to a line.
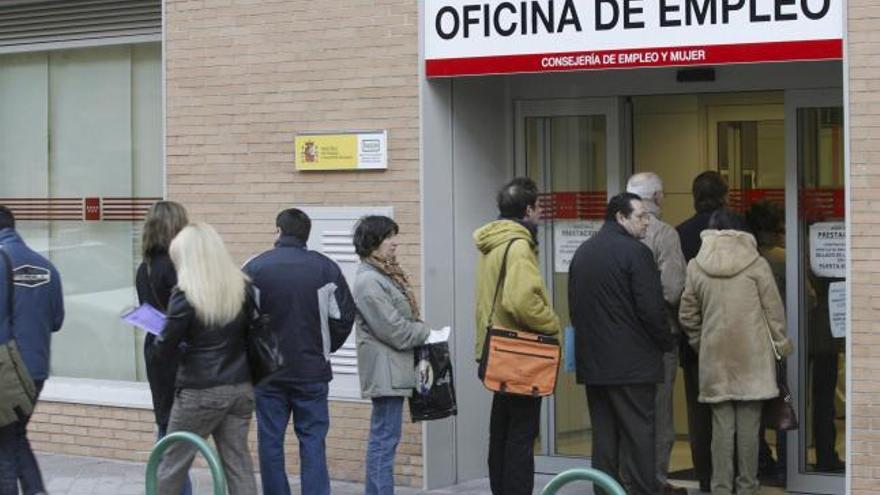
<point>388,328</point>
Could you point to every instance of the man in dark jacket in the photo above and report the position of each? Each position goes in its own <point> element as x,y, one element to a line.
<point>710,194</point>
<point>310,305</point>
<point>621,333</point>
<point>37,312</point>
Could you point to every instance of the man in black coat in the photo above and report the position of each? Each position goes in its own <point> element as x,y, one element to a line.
<point>621,333</point>
<point>710,194</point>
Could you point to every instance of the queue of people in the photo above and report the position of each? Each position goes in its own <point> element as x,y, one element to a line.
<point>644,298</point>
<point>311,309</point>
<point>639,289</point>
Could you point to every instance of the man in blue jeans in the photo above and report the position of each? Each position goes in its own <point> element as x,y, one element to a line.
<point>37,311</point>
<point>311,308</point>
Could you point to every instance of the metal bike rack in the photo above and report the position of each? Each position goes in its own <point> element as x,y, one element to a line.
<point>184,436</point>
<point>599,478</point>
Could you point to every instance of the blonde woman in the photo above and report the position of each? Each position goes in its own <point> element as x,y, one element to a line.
<point>208,311</point>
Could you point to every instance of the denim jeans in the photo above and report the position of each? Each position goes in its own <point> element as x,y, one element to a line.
<point>187,485</point>
<point>385,425</point>
<point>223,412</point>
<point>17,461</point>
<point>307,402</point>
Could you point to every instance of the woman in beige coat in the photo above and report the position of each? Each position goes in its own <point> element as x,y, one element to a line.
<point>733,315</point>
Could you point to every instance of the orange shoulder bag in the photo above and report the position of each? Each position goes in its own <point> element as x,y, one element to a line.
<point>517,362</point>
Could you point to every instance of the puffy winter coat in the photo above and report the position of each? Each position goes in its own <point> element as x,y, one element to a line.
<point>731,311</point>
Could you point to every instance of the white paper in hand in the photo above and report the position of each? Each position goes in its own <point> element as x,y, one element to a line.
<point>438,336</point>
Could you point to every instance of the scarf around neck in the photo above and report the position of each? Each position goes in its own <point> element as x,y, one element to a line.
<point>392,269</point>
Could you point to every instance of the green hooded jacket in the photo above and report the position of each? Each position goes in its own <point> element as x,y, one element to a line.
<point>523,303</point>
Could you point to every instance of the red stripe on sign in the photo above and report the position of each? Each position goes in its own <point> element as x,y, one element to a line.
<point>782,51</point>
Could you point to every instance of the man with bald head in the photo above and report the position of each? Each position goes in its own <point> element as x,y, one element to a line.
<point>664,243</point>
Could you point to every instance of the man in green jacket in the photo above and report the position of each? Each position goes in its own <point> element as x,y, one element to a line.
<point>522,304</point>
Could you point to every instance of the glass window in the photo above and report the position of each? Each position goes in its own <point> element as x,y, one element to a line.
<point>85,124</point>
<point>822,287</point>
<point>568,156</point>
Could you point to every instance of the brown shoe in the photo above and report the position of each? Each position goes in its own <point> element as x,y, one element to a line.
<point>674,490</point>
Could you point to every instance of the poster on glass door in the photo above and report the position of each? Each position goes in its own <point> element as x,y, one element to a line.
<point>568,235</point>
<point>828,249</point>
<point>837,309</point>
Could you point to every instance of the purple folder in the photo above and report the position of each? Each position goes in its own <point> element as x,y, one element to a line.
<point>147,318</point>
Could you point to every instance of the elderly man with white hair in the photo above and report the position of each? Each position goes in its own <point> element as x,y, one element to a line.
<point>664,242</point>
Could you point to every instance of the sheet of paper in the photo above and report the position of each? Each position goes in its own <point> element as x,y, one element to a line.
<point>837,309</point>
<point>147,318</point>
<point>438,336</point>
<point>828,249</point>
<point>568,235</point>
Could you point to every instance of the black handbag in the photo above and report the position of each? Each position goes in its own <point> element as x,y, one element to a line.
<point>263,345</point>
<point>434,394</point>
<point>778,413</point>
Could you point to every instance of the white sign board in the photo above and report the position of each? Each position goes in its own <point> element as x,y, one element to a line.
<point>468,37</point>
<point>828,249</point>
<point>568,235</point>
<point>837,308</point>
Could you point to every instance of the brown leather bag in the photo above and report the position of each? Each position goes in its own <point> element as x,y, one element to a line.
<point>517,362</point>
<point>778,413</point>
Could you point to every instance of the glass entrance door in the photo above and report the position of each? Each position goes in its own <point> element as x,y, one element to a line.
<point>571,149</point>
<point>816,226</point>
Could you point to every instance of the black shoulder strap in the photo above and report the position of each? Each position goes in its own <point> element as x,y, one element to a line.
<point>501,276</point>
<point>7,261</point>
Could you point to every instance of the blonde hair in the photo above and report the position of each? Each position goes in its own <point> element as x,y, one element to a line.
<point>164,220</point>
<point>212,282</point>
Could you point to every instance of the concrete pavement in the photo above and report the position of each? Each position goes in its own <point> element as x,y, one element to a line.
<point>70,475</point>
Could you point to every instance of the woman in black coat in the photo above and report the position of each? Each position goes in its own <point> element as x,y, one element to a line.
<point>155,279</point>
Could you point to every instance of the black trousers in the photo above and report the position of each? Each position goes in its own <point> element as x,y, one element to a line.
<point>623,434</point>
<point>699,421</point>
<point>513,428</point>
<point>824,383</point>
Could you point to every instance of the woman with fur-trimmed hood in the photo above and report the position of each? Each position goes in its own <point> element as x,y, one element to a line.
<point>733,315</point>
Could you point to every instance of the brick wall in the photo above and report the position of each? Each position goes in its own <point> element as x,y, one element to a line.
<point>242,78</point>
<point>129,434</point>
<point>864,78</point>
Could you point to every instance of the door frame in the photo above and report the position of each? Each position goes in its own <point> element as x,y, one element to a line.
<point>798,481</point>
<point>617,169</point>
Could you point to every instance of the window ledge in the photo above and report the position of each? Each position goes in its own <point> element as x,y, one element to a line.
<point>93,392</point>
<point>136,395</point>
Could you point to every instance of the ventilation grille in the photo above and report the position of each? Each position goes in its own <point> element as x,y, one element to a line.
<point>337,245</point>
<point>28,23</point>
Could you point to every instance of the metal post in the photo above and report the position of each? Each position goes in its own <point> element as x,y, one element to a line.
<point>213,462</point>
<point>598,478</point>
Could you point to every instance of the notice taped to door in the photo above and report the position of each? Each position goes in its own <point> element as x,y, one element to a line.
<point>828,249</point>
<point>567,237</point>
<point>837,309</point>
